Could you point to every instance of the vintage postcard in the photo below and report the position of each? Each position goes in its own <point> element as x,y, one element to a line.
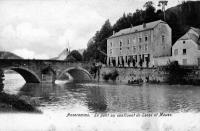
<point>99,65</point>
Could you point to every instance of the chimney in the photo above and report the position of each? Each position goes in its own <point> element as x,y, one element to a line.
<point>113,32</point>
<point>131,26</point>
<point>144,25</point>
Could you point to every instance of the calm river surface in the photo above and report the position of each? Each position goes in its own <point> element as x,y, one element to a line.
<point>107,97</point>
<point>56,101</point>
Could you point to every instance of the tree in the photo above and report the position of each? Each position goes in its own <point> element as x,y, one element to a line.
<point>147,62</point>
<point>122,23</point>
<point>141,62</point>
<point>99,42</point>
<point>75,54</point>
<point>134,62</point>
<point>148,4</point>
<point>150,14</point>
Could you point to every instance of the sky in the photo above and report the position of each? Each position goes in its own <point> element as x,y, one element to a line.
<point>41,29</point>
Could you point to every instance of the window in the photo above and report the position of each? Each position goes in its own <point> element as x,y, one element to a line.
<point>110,51</point>
<point>128,41</point>
<point>163,38</point>
<point>134,49</point>
<point>184,61</point>
<point>140,47</point>
<point>140,40</point>
<point>120,43</point>
<point>183,42</point>
<point>146,38</point>
<point>134,41</point>
<point>110,43</point>
<point>176,52</point>
<point>184,51</point>
<point>146,47</point>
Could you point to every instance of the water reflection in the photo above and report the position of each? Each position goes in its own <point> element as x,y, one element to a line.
<point>96,99</point>
<point>110,97</point>
<point>182,98</point>
<point>105,97</point>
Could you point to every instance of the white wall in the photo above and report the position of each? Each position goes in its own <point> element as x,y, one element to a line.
<point>162,49</point>
<point>192,52</point>
<point>162,61</point>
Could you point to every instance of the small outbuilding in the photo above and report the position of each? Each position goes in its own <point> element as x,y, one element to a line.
<point>186,50</point>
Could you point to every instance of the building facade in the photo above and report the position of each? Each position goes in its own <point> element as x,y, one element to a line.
<point>186,50</point>
<point>137,46</point>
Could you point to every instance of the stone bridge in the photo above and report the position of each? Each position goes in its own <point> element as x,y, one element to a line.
<point>36,71</point>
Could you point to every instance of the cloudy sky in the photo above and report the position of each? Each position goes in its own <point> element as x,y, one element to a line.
<point>42,28</point>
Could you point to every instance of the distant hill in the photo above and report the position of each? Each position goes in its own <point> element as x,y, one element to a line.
<point>9,55</point>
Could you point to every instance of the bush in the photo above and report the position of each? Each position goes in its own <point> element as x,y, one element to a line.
<point>114,75</point>
<point>111,75</point>
<point>176,73</point>
<point>74,56</point>
<point>106,76</point>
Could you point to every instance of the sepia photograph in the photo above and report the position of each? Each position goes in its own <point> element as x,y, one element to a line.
<point>99,65</point>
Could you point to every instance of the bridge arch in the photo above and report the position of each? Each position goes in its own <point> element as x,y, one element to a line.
<point>28,75</point>
<point>77,74</point>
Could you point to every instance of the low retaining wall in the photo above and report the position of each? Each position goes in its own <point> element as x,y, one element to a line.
<point>151,74</point>
<point>126,73</point>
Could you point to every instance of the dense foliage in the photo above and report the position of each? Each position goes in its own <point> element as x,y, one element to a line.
<point>177,74</point>
<point>74,56</point>
<point>98,44</point>
<point>110,75</point>
<point>180,18</point>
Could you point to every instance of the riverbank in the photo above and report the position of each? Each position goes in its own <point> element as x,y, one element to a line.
<point>12,103</point>
<point>127,74</point>
<point>151,75</point>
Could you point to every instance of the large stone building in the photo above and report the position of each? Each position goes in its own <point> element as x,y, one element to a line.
<point>186,50</point>
<point>139,45</point>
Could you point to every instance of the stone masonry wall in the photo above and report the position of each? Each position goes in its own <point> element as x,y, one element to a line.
<point>126,74</point>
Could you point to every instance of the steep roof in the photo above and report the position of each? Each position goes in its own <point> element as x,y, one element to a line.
<point>138,28</point>
<point>62,56</point>
<point>193,34</point>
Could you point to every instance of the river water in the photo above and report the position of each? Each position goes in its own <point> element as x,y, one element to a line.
<point>57,101</point>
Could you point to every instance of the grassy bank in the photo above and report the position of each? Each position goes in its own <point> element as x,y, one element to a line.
<point>12,103</point>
